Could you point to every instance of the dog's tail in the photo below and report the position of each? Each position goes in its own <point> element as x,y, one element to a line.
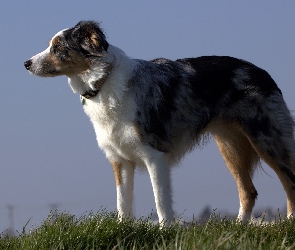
<point>274,139</point>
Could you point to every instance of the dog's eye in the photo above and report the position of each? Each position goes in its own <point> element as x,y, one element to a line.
<point>63,57</point>
<point>55,49</point>
<point>60,53</point>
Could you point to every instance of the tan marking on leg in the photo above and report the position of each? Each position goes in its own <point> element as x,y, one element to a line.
<point>117,169</point>
<point>240,158</point>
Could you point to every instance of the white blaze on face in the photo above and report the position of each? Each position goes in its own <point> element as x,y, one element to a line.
<point>60,33</point>
<point>37,58</point>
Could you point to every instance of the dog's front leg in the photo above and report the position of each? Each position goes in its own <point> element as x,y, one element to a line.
<point>124,177</point>
<point>159,172</point>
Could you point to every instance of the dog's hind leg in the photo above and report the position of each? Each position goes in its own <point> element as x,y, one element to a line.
<point>241,160</point>
<point>279,158</point>
<point>124,177</point>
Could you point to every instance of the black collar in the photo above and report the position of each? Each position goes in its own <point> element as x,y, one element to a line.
<point>98,84</point>
<point>90,93</point>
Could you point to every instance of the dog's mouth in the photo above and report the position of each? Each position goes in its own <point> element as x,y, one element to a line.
<point>52,73</point>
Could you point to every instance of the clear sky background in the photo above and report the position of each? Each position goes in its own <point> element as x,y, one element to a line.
<point>48,148</point>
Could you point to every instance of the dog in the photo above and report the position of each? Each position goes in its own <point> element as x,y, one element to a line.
<point>149,114</point>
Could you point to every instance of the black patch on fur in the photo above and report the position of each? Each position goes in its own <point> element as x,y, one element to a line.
<point>227,80</point>
<point>259,124</point>
<point>80,35</point>
<point>211,80</point>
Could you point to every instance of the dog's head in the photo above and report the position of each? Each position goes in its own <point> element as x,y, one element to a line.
<point>70,51</point>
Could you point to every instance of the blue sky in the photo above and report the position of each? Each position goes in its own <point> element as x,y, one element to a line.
<point>48,150</point>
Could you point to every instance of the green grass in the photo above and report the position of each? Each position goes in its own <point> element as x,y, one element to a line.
<point>104,231</point>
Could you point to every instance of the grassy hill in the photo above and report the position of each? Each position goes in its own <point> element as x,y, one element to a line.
<point>104,231</point>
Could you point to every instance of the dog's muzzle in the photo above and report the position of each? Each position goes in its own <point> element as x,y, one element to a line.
<point>28,64</point>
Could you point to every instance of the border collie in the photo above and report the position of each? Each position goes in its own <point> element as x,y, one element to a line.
<point>149,114</point>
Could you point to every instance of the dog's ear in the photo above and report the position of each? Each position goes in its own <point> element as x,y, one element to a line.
<point>90,37</point>
<point>94,41</point>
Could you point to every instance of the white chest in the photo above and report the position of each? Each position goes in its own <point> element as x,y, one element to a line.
<point>114,126</point>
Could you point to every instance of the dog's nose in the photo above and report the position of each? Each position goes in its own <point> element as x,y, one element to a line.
<point>28,64</point>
